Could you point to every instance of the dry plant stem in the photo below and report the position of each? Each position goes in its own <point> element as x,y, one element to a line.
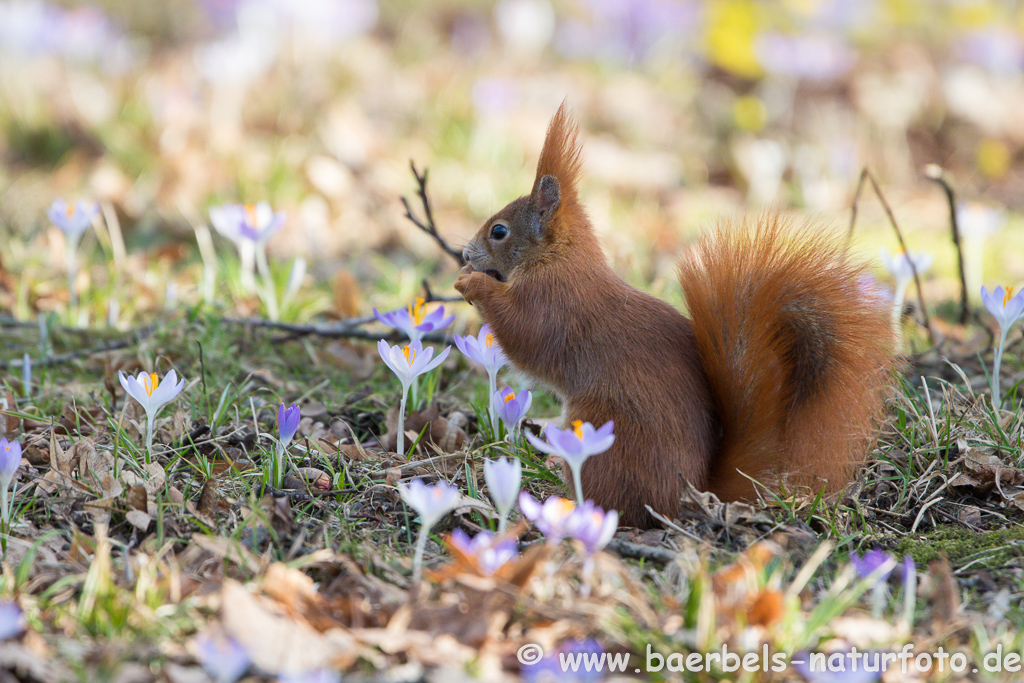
<point>938,175</point>
<point>428,226</point>
<point>866,174</point>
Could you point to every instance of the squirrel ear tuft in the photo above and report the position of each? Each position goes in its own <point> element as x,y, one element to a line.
<point>547,198</point>
<point>561,156</point>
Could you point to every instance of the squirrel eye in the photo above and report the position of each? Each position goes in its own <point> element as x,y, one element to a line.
<point>499,232</point>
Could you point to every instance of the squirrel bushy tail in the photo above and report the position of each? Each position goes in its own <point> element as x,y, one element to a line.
<point>798,351</point>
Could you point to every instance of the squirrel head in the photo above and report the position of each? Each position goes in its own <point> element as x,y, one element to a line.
<point>530,229</point>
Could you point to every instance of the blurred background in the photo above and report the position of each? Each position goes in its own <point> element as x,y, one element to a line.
<point>690,111</point>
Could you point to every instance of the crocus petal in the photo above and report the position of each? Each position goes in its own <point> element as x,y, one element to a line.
<point>431,502</point>
<point>436,362</point>
<point>12,621</point>
<point>541,446</point>
<point>529,506</point>
<point>503,477</point>
<point>288,422</point>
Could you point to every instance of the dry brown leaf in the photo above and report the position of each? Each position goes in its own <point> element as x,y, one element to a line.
<point>281,643</point>
<point>139,519</point>
<point>945,598</point>
<point>345,294</point>
<point>226,548</point>
<point>94,465</point>
<point>766,609</point>
<point>448,437</point>
<point>7,403</point>
<point>62,463</point>
<point>990,469</point>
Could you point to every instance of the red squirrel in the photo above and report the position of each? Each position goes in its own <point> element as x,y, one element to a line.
<point>778,376</point>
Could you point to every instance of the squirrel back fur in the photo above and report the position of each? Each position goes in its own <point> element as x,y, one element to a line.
<point>779,376</point>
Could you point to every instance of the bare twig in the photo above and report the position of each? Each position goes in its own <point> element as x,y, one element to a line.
<point>866,174</point>
<point>134,338</point>
<point>342,329</point>
<point>937,174</point>
<point>430,297</point>
<point>428,226</point>
<point>853,209</point>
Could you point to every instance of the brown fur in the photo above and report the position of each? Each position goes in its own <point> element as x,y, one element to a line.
<point>779,375</point>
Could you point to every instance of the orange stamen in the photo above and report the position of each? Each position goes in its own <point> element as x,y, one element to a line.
<point>1007,296</point>
<point>489,340</point>
<point>151,383</point>
<point>417,311</point>
<point>407,358</point>
<point>511,395</point>
<point>577,426</point>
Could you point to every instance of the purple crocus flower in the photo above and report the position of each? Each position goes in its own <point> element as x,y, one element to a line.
<point>224,659</point>
<point>900,268</point>
<point>551,667</point>
<point>489,553</point>
<point>73,221</point>
<point>575,445</point>
<point>977,220</point>
<point>1007,309</point>
<point>816,668</point>
<point>12,621</point>
<point>254,222</point>
<point>503,478</point>
<point>10,459</point>
<point>414,321</point>
<point>511,407</point>
<point>485,350</point>
<point>288,422</point>
<point>432,503</point>
<point>871,561</point>
<point>593,527</point>
<point>408,363</point>
<point>818,56</point>
<point>879,564</point>
<point>553,518</point>
<point>899,264</point>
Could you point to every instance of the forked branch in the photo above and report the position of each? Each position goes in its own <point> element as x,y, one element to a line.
<point>428,225</point>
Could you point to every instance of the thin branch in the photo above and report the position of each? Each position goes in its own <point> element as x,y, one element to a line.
<point>342,329</point>
<point>134,338</point>
<point>430,297</point>
<point>937,174</point>
<point>428,227</point>
<point>903,245</point>
<point>856,202</point>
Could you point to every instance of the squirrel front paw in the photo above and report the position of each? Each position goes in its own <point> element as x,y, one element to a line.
<point>471,283</point>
